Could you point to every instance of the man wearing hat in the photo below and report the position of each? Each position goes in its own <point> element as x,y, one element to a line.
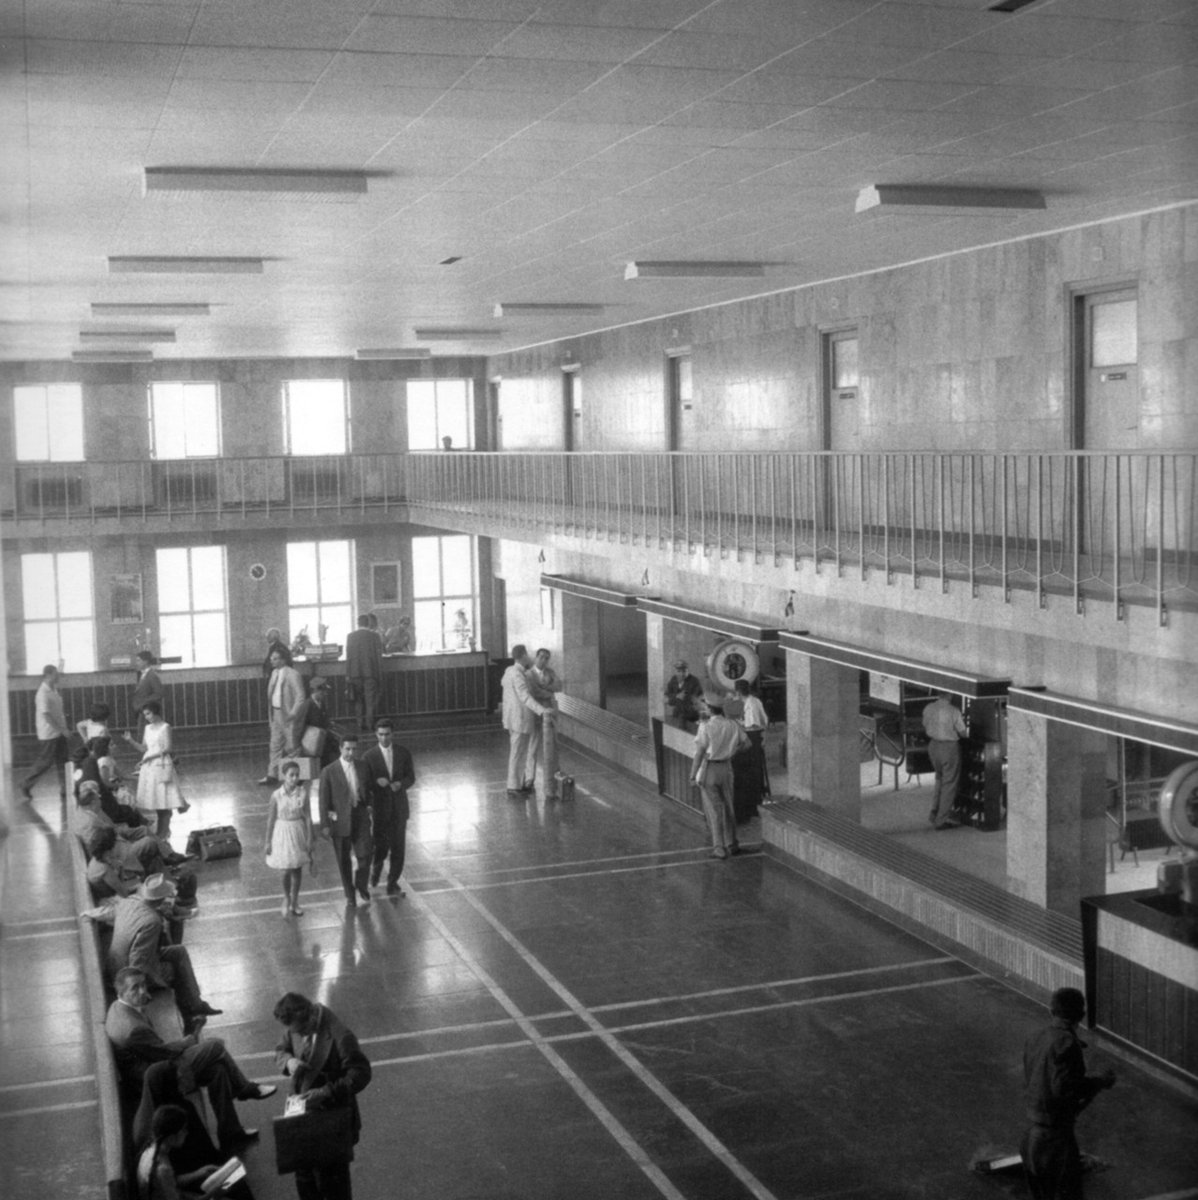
<point>717,740</point>
<point>1056,1088</point>
<point>315,715</point>
<point>682,692</point>
<point>198,1062</point>
<point>140,939</point>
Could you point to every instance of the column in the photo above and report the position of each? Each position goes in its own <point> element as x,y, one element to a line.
<point>582,648</point>
<point>1056,800</point>
<point>822,738</point>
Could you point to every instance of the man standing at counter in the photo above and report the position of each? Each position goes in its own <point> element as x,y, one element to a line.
<point>944,725</point>
<point>364,671</point>
<point>520,713</point>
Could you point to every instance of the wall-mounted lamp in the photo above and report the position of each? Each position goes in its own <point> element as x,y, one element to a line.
<point>541,557</point>
<point>789,610</point>
<point>645,578</point>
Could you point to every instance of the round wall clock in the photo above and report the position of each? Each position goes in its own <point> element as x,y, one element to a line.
<point>1179,805</point>
<point>257,572</point>
<point>732,660</point>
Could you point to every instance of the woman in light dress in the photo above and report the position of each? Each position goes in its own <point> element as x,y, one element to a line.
<point>289,835</point>
<point>158,792</point>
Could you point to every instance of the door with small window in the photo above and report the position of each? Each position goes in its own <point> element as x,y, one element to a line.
<point>840,431</point>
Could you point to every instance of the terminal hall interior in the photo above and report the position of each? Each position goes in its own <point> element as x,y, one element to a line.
<point>845,348</point>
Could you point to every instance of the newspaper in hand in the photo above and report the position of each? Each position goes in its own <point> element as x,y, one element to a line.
<point>223,1176</point>
<point>295,1106</point>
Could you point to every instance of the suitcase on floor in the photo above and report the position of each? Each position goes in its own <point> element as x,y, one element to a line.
<point>217,841</point>
<point>565,786</point>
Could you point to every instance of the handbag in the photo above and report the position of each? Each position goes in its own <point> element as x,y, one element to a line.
<point>315,1138</point>
<point>312,743</point>
<point>217,841</point>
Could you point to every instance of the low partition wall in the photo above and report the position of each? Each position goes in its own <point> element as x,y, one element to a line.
<point>1027,947</point>
<point>606,734</point>
<point>210,697</point>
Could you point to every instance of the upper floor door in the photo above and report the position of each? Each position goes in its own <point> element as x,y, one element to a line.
<point>1107,377</point>
<point>572,435</point>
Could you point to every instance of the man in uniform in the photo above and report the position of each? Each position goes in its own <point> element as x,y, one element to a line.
<point>945,726</point>
<point>717,740</point>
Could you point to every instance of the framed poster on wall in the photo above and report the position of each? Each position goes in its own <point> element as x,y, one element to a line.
<point>127,600</point>
<point>384,583</point>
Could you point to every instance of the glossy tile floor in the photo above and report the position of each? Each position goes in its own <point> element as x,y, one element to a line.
<point>571,1001</point>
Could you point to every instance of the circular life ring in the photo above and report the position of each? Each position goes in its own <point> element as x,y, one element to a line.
<point>1178,805</point>
<point>732,660</point>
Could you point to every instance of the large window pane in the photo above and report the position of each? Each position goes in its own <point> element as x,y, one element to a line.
<point>303,582</point>
<point>48,422</point>
<point>210,637</point>
<point>38,585</point>
<point>174,637</point>
<point>193,621</point>
<point>438,409</point>
<point>173,593</point>
<point>320,589</point>
<point>207,578</point>
<point>457,566</point>
<point>74,570</point>
<point>335,583</point>
<point>422,416</point>
<point>316,416</point>
<point>41,647</point>
<point>426,566</point>
<point>185,419</point>
<point>443,582</point>
<point>59,628</point>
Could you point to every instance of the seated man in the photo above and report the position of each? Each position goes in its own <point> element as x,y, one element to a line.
<point>199,1062</point>
<point>110,878</point>
<point>136,849</point>
<point>140,939</point>
<point>99,765</point>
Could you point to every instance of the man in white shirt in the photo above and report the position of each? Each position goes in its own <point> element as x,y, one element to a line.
<point>543,686</point>
<point>520,712</point>
<point>944,725</point>
<point>285,696</point>
<point>717,740</point>
<point>52,732</point>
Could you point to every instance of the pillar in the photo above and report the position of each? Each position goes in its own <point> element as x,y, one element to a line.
<point>1056,804</point>
<point>822,738</point>
<point>582,653</point>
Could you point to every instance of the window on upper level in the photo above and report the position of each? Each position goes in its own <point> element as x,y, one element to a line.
<point>445,602</point>
<point>48,422</point>
<point>316,416</point>
<point>440,409</point>
<point>60,625</point>
<point>193,619</point>
<point>320,589</point>
<point>184,420</point>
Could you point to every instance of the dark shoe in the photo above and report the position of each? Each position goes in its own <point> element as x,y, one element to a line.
<point>260,1091</point>
<point>932,816</point>
<point>529,786</point>
<point>518,793</point>
<point>946,825</point>
<point>718,854</point>
<point>734,848</point>
<point>26,792</point>
<point>194,1024</point>
<point>204,1009</point>
<point>364,892</point>
<point>393,889</point>
<point>374,878</point>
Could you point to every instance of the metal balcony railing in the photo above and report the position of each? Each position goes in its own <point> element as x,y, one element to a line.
<point>1109,528</point>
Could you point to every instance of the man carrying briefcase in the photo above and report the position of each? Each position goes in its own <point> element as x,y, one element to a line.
<point>327,1069</point>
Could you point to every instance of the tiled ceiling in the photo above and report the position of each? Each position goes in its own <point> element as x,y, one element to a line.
<point>543,144</point>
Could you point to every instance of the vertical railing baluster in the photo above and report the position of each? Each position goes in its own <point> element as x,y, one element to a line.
<point>861,513</point>
<point>1118,573</point>
<point>942,520</point>
<point>1161,612</point>
<point>911,461</point>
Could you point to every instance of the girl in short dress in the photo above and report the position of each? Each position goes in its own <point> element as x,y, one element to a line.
<point>158,792</point>
<point>289,835</point>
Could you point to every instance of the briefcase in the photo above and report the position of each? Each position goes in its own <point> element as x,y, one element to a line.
<point>321,1137</point>
<point>217,841</point>
<point>565,786</point>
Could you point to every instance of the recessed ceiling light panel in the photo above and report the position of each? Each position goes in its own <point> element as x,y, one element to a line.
<point>915,196</point>
<point>509,309</point>
<point>149,310</point>
<point>298,184</point>
<point>679,269</point>
<point>180,265</point>
<point>126,335</point>
<point>447,334</point>
<point>99,356</point>
<point>397,352</point>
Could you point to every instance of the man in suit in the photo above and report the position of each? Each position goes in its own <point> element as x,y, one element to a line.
<point>345,792</point>
<point>364,670</point>
<point>140,939</point>
<point>520,712</point>
<point>391,774</point>
<point>328,1069</point>
<point>543,686</point>
<point>205,1062</point>
<point>285,696</point>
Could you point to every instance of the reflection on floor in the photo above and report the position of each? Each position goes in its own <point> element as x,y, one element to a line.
<point>572,1000</point>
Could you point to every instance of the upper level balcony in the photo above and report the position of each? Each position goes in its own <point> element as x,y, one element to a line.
<point>1106,530</point>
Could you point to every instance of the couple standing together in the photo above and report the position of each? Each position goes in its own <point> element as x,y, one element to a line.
<point>530,717</point>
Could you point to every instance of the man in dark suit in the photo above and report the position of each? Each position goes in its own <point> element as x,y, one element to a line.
<point>364,670</point>
<point>328,1069</point>
<point>345,790</point>
<point>391,774</point>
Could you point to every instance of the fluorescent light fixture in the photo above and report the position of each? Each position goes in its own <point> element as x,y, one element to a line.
<point>179,265</point>
<point>446,334</point>
<point>396,352</point>
<point>300,184</point>
<point>112,356</point>
<point>704,270</point>
<point>126,335</point>
<point>915,196</point>
<point>508,309</point>
<point>149,310</point>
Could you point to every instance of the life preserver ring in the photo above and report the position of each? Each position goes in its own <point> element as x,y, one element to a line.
<point>732,660</point>
<point>1178,806</point>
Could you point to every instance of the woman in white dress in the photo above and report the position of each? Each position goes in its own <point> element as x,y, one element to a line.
<point>289,835</point>
<point>158,794</point>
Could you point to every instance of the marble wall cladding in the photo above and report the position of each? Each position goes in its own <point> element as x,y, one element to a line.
<point>970,352</point>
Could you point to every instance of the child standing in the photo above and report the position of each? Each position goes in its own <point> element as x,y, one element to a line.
<point>289,835</point>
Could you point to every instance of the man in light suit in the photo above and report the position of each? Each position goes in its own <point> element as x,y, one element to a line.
<point>391,774</point>
<point>520,712</point>
<point>364,670</point>
<point>205,1063</point>
<point>285,696</point>
<point>345,791</point>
